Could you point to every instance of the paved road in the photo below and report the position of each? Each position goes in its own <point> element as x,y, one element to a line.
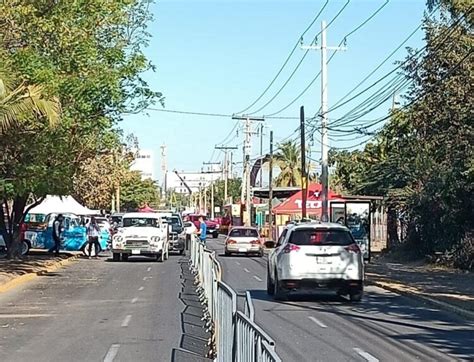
<point>384,327</point>
<point>94,310</point>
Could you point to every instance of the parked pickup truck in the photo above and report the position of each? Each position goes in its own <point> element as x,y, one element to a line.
<point>212,227</point>
<point>141,234</point>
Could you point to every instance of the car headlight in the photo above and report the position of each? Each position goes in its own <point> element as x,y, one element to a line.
<point>118,238</point>
<point>155,239</point>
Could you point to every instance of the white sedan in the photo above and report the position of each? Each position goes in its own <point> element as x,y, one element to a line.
<point>244,240</point>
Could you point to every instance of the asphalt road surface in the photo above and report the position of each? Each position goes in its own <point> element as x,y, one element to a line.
<point>383,327</point>
<point>94,310</point>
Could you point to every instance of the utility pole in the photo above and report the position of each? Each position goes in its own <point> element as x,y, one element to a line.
<point>324,118</point>
<point>164,170</point>
<point>270,189</point>
<point>212,199</point>
<point>226,150</point>
<point>304,180</point>
<point>261,154</point>
<point>247,151</point>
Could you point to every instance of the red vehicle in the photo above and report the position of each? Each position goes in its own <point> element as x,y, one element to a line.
<point>212,227</point>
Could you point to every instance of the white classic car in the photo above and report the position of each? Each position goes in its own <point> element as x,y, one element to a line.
<point>141,234</point>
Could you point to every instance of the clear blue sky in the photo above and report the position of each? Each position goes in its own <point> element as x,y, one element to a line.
<point>218,56</point>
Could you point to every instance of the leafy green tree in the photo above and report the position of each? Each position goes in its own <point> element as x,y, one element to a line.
<point>89,56</point>
<point>422,159</point>
<point>136,193</point>
<point>234,190</point>
<point>289,161</point>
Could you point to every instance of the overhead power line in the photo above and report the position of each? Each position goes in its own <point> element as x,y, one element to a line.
<point>300,62</point>
<point>310,84</point>
<point>287,59</point>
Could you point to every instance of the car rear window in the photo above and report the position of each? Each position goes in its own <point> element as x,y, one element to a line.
<point>320,237</point>
<point>245,233</point>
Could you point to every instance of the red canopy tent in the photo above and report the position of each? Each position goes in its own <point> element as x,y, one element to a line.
<point>313,202</point>
<point>146,208</point>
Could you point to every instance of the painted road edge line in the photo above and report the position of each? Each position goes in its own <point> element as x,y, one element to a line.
<point>259,279</point>
<point>367,356</point>
<point>126,321</point>
<point>149,268</point>
<point>134,300</point>
<point>111,353</point>
<point>318,322</point>
<point>246,270</point>
<point>141,288</point>
<point>237,263</point>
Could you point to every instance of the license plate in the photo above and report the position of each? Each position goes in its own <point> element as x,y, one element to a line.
<point>136,252</point>
<point>242,250</point>
<point>323,260</point>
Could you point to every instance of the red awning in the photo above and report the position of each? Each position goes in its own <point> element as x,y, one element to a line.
<point>313,202</point>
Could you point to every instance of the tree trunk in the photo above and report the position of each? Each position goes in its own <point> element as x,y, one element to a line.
<point>392,228</point>
<point>14,249</point>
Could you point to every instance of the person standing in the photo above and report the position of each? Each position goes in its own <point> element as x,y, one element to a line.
<point>57,234</point>
<point>202,230</point>
<point>93,233</point>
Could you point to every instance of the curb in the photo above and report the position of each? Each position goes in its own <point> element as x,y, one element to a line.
<point>437,303</point>
<point>21,279</point>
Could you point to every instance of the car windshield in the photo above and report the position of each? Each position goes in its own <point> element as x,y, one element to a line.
<point>174,220</point>
<point>320,237</point>
<point>244,233</point>
<point>139,221</point>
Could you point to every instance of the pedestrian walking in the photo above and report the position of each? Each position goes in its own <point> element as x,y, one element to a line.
<point>202,230</point>
<point>93,233</point>
<point>57,234</point>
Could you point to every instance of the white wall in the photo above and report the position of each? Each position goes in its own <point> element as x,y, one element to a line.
<point>145,164</point>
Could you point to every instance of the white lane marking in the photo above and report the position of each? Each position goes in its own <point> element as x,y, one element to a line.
<point>141,288</point>
<point>318,322</point>
<point>3,316</point>
<point>134,300</point>
<point>237,263</point>
<point>126,321</point>
<point>111,353</point>
<point>149,268</point>
<point>367,356</point>
<point>256,277</point>
<point>145,278</point>
<point>246,270</point>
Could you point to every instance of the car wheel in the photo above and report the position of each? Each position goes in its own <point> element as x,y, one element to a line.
<point>25,247</point>
<point>181,252</point>
<point>226,253</point>
<point>215,235</point>
<point>116,256</point>
<point>260,254</point>
<point>270,286</point>
<point>355,296</point>
<point>125,257</point>
<point>278,293</point>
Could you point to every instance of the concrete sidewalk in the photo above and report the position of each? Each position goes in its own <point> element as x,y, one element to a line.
<point>15,272</point>
<point>448,288</point>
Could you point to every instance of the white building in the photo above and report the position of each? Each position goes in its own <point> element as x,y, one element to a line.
<point>145,164</point>
<point>194,180</point>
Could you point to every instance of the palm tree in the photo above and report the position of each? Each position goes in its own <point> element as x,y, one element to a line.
<point>288,160</point>
<point>21,102</point>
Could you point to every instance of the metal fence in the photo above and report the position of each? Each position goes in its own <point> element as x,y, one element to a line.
<point>236,335</point>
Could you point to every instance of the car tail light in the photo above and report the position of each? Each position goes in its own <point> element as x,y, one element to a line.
<point>290,247</point>
<point>353,248</point>
<point>256,241</point>
<point>230,241</point>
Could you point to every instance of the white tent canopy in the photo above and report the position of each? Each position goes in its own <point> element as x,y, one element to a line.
<point>63,205</point>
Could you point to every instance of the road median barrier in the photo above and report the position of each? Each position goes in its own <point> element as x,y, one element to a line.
<point>14,273</point>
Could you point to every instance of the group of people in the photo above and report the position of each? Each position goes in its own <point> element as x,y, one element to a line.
<point>92,233</point>
<point>191,229</point>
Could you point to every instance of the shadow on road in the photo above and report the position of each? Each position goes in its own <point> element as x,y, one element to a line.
<point>387,315</point>
<point>194,339</point>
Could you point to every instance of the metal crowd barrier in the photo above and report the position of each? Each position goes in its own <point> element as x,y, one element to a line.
<point>236,335</point>
<point>248,307</point>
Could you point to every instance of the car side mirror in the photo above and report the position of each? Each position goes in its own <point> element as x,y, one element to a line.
<point>270,244</point>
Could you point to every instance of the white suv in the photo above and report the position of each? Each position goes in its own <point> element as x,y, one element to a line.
<point>313,255</point>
